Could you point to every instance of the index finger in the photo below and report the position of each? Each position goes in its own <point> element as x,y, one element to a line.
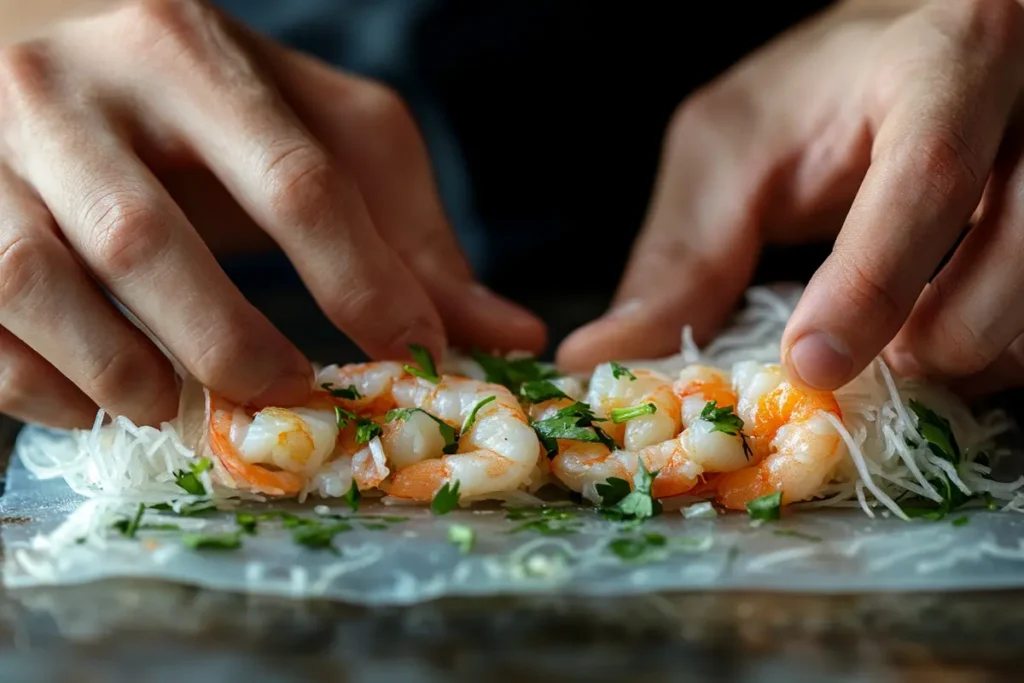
<point>931,157</point>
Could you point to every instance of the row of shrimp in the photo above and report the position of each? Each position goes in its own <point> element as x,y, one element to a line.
<point>786,443</point>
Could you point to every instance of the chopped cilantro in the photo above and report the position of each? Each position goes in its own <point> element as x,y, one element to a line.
<point>319,536</point>
<point>798,534</point>
<point>637,549</point>
<point>189,509</point>
<point>726,421</point>
<point>446,499</point>
<point>574,422</point>
<point>350,392</point>
<point>538,391</point>
<point>471,418</point>
<point>128,527</point>
<point>451,439</point>
<point>938,434</point>
<point>766,508</point>
<point>613,490</point>
<point>638,504</point>
<point>352,496</point>
<point>288,520</point>
<point>544,521</point>
<point>512,373</point>
<point>620,415</point>
<point>427,368</point>
<point>960,521</point>
<point>246,522</point>
<point>461,536</point>
<point>230,541</point>
<point>373,526</point>
<point>189,481</point>
<point>366,429</point>
<point>619,371</point>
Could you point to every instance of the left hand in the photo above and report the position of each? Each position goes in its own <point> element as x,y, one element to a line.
<point>884,123</point>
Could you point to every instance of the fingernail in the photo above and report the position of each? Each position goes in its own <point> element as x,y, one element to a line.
<point>903,363</point>
<point>821,361</point>
<point>625,309</point>
<point>289,390</point>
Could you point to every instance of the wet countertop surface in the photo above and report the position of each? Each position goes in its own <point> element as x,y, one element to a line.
<point>152,632</point>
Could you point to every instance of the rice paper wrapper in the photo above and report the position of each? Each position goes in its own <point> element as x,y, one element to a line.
<point>54,536</point>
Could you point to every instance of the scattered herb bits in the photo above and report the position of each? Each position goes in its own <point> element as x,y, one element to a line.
<point>427,368</point>
<point>230,541</point>
<point>766,508</point>
<point>462,536</point>
<point>619,371</point>
<point>189,480</point>
<point>445,500</point>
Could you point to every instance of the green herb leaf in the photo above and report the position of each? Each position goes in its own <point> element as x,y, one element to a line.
<point>621,371</point>
<point>639,504</point>
<point>212,541</point>
<point>937,431</point>
<point>451,439</point>
<point>189,481</point>
<point>620,415</point>
<point>638,549</point>
<point>960,521</point>
<point>246,521</point>
<point>461,536</point>
<point>350,393</point>
<point>288,520</point>
<point>128,527</point>
<point>367,431</point>
<point>541,390</point>
<point>471,418</point>
<point>352,496</point>
<point>766,508</point>
<point>319,536</point>
<point>512,373</point>
<point>187,510</point>
<point>445,500</point>
<point>798,534</point>
<point>613,490</point>
<point>544,521</point>
<point>575,422</point>
<point>726,421</point>
<point>427,368</point>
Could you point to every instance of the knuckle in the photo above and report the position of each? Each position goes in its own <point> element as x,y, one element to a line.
<point>951,344</point>
<point>300,183</point>
<point>125,373</point>
<point>383,107</point>
<point>23,267</point>
<point>217,361</point>
<point>945,159</point>
<point>174,21</point>
<point>864,292</point>
<point>993,26</point>
<point>124,230</point>
<point>26,76</point>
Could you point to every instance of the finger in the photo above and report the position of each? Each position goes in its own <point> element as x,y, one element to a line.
<point>693,258</point>
<point>368,126</point>
<point>49,302</point>
<point>34,392</point>
<point>290,185</point>
<point>932,155</point>
<point>970,312</point>
<point>139,245</point>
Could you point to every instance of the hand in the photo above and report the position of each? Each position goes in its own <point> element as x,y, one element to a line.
<point>330,166</point>
<point>882,122</point>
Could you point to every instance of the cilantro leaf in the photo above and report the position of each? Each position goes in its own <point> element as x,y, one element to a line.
<point>451,439</point>
<point>619,371</point>
<point>367,431</point>
<point>352,496</point>
<point>246,521</point>
<point>544,521</point>
<point>613,490</point>
<point>636,549</point>
<point>620,415</point>
<point>427,368</point>
<point>319,536</point>
<point>638,504</point>
<point>937,431</point>
<point>462,536</point>
<point>960,521</point>
<point>128,527</point>
<point>512,373</point>
<point>726,421</point>
<point>231,541</point>
<point>471,418</point>
<point>540,390</point>
<point>446,499</point>
<point>574,422</point>
<point>350,392</point>
<point>766,508</point>
<point>189,481</point>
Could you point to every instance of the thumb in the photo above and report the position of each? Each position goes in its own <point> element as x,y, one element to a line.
<point>695,254</point>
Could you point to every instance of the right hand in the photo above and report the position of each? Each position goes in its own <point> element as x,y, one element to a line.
<point>330,166</point>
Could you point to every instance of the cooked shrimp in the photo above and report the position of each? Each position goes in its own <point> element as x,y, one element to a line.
<point>272,451</point>
<point>497,453</point>
<point>582,465</point>
<point>713,449</point>
<point>802,447</point>
<point>608,393</point>
<point>372,381</point>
